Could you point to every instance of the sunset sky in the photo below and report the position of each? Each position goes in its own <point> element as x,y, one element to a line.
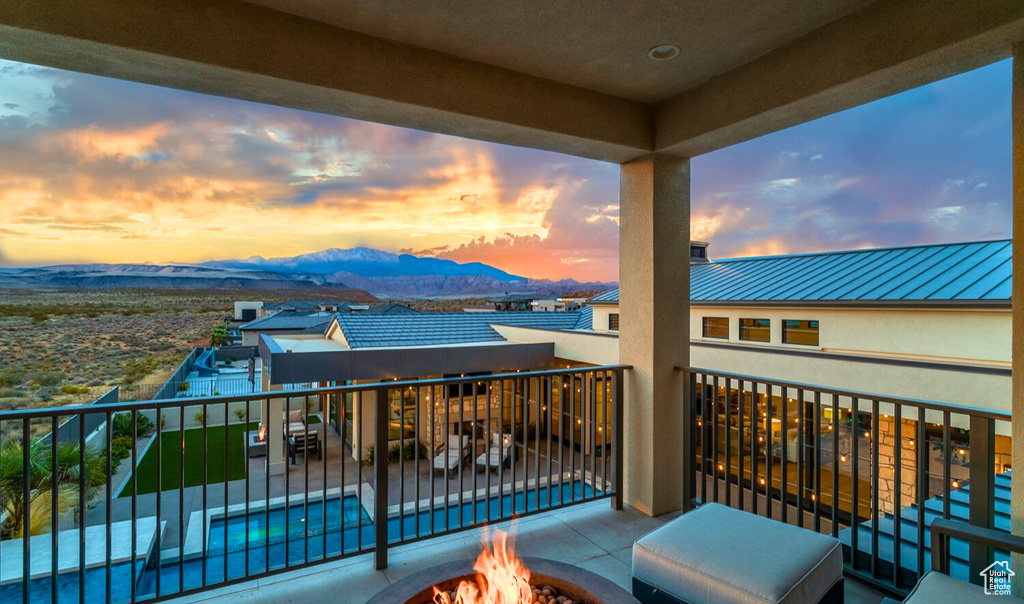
<point>100,170</point>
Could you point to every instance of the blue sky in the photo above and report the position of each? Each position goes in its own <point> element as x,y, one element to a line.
<point>94,169</point>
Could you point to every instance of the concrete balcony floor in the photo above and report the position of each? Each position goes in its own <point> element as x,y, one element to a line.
<point>591,536</point>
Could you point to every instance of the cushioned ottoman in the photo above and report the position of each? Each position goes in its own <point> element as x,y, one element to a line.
<point>716,554</point>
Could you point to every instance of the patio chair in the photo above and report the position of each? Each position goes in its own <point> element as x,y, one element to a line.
<point>497,454</point>
<point>938,586</point>
<point>305,441</point>
<point>451,457</point>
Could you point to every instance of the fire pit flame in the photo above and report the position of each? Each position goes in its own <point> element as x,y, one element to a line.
<point>262,435</point>
<point>501,578</point>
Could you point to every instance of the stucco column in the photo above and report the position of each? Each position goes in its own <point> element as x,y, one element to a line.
<point>1017,129</point>
<point>271,412</point>
<point>654,331</point>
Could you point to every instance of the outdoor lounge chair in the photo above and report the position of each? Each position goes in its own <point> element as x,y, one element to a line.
<point>938,586</point>
<point>305,442</point>
<point>451,457</point>
<point>497,454</point>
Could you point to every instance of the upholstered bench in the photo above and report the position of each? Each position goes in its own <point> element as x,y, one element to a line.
<point>716,554</point>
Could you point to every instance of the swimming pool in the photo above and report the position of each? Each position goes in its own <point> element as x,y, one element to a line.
<point>348,528</point>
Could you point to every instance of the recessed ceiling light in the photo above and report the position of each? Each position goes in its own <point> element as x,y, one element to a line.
<point>663,52</point>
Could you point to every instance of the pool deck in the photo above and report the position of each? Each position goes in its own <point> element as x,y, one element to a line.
<point>591,536</point>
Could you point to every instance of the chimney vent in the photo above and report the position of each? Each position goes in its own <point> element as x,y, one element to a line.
<point>698,252</point>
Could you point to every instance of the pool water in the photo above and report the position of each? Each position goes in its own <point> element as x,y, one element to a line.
<point>348,528</point>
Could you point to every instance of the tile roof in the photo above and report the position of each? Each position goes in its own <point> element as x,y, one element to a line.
<point>953,272</point>
<point>586,320</point>
<point>391,309</point>
<point>436,329</point>
<point>306,304</point>
<point>291,320</point>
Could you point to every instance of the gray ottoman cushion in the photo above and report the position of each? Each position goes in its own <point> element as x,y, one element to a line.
<point>718,554</point>
<point>938,588</point>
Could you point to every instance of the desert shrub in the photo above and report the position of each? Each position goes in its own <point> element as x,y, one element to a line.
<point>11,376</point>
<point>120,449</point>
<point>239,413</point>
<point>183,387</point>
<point>45,378</point>
<point>7,392</point>
<point>74,389</point>
<point>123,424</point>
<point>200,418</point>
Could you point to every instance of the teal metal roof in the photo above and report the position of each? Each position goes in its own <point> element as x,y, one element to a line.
<point>978,272</point>
<point>438,329</point>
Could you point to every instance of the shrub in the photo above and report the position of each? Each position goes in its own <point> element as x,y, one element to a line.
<point>408,451</point>
<point>200,418</point>
<point>239,413</point>
<point>183,387</point>
<point>74,390</point>
<point>123,425</point>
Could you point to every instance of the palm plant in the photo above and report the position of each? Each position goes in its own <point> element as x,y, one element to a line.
<point>44,483</point>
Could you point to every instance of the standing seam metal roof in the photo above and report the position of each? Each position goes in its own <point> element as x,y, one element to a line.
<point>429,329</point>
<point>962,272</point>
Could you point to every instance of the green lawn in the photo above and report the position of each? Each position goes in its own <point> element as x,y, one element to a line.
<point>171,452</point>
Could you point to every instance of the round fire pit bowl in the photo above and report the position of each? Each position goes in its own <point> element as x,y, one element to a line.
<point>572,582</point>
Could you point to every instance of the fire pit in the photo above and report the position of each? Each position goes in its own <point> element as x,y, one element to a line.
<point>257,440</point>
<point>501,578</point>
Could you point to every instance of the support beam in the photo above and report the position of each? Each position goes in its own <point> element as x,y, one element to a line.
<point>240,50</point>
<point>1017,507</point>
<point>654,292</point>
<point>886,48</point>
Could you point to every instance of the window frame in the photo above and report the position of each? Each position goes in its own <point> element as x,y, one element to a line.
<point>767,327</point>
<point>817,331</point>
<point>613,318</point>
<point>704,328</point>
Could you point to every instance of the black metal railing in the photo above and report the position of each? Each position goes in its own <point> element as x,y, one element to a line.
<point>172,497</point>
<point>870,469</point>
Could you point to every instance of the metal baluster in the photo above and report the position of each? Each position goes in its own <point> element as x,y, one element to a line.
<point>897,494</point>
<point>854,497</point>
<point>206,479</point>
<point>26,529</point>
<point>817,461</point>
<point>584,391</point>
<point>106,503</point>
<point>874,452</point>
<point>593,448</point>
<point>305,480</point>
<point>922,487</point>
<point>433,448</point>
<point>561,432</point>
<point>81,509</point>
<point>714,439</point>
<point>416,457</point>
<point>380,480</point>
<point>401,464</point>
<point>784,479</point>
<point>728,442</point>
<point>755,399</point>
<point>768,455</point>
<point>501,454</point>
<point>447,436</point>
<point>705,433</point>
<point>135,497</point>
<point>835,465</point>
<point>514,383</point>
<point>947,450</point>
<point>159,492</point>
<point>181,496</point>
<point>476,454</point>
<point>801,425</point>
<point>287,492</point>
<point>549,414</point>
<point>54,513</point>
<point>740,404</point>
<point>362,456</point>
<point>266,481</point>
<point>536,449</point>
<point>462,432</point>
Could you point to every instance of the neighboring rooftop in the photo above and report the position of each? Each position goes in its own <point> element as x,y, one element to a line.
<point>291,321</point>
<point>306,304</point>
<point>391,309</point>
<point>975,272</point>
<point>522,298</point>
<point>437,329</point>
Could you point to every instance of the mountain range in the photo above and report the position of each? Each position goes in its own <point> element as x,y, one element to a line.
<point>378,272</point>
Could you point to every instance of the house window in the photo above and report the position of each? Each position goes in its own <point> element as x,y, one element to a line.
<point>716,327</point>
<point>613,321</point>
<point>755,330</point>
<point>804,333</point>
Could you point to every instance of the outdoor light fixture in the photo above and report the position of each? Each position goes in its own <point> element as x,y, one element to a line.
<point>663,52</point>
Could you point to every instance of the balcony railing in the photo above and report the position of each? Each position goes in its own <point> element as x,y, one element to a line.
<point>872,470</point>
<point>176,496</point>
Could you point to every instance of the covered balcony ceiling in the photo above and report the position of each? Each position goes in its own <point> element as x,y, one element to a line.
<point>563,76</point>
<point>599,45</point>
